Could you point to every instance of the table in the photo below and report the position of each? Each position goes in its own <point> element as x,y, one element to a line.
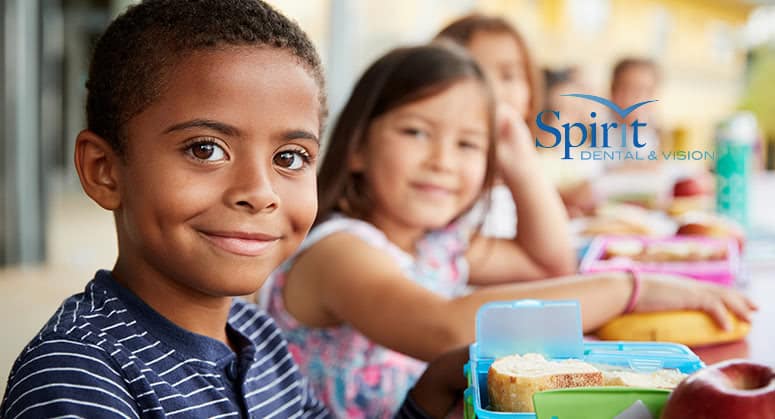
<point>758,280</point>
<point>759,345</point>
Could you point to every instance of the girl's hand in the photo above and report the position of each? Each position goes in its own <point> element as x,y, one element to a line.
<point>516,146</point>
<point>672,292</point>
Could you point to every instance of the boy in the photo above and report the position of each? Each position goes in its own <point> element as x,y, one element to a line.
<point>204,120</point>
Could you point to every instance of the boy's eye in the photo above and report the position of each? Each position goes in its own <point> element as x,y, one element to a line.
<point>207,151</point>
<point>292,159</point>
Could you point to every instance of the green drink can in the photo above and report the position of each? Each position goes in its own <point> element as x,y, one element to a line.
<point>735,138</point>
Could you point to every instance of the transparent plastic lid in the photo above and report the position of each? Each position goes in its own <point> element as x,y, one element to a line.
<point>551,328</point>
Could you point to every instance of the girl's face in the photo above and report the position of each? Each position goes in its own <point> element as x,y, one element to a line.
<point>425,162</point>
<point>503,61</point>
<point>218,187</point>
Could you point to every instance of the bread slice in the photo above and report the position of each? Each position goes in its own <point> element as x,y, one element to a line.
<point>663,378</point>
<point>512,380</point>
<point>629,248</point>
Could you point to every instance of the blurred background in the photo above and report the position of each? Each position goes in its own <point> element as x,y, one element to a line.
<point>715,57</point>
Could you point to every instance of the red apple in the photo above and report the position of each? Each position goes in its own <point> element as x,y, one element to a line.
<point>689,187</point>
<point>734,389</point>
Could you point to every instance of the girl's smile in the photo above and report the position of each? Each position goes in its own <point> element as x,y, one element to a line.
<point>434,190</point>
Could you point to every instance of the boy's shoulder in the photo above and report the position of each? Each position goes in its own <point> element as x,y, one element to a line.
<point>73,353</point>
<point>86,317</point>
<point>79,328</point>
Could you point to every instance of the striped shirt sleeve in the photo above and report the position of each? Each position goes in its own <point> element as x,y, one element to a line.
<point>62,377</point>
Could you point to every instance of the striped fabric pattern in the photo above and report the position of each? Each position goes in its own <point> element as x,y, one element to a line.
<point>105,353</point>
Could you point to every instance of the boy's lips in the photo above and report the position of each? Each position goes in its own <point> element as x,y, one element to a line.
<point>241,243</point>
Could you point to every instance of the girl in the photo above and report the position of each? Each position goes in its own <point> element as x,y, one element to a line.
<point>503,54</point>
<point>377,286</point>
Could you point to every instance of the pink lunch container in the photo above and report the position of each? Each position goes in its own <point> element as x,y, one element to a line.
<point>722,270</point>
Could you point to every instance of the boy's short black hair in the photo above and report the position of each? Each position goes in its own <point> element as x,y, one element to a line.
<point>137,52</point>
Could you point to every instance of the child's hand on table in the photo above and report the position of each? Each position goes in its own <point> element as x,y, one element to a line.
<point>663,292</point>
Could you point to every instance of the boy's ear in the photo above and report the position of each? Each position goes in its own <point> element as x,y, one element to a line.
<point>98,164</point>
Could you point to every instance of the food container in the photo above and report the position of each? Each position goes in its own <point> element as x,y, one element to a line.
<point>553,329</point>
<point>720,270</point>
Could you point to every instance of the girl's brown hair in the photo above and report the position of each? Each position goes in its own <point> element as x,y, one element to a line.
<point>462,31</point>
<point>402,76</point>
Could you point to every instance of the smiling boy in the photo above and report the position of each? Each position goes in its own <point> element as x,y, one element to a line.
<point>204,120</point>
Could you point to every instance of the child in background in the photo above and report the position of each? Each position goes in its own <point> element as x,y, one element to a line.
<point>376,288</point>
<point>502,53</point>
<point>635,80</point>
<point>574,178</point>
<point>203,126</point>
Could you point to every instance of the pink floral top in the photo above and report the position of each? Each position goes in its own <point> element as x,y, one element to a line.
<point>354,376</point>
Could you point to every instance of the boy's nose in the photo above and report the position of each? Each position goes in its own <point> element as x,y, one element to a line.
<point>252,189</point>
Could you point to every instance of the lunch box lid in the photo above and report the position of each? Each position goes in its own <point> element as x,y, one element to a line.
<point>551,328</point>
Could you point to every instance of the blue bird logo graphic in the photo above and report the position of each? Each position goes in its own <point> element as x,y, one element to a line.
<point>619,111</point>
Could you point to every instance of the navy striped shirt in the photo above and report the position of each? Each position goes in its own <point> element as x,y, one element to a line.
<point>105,353</point>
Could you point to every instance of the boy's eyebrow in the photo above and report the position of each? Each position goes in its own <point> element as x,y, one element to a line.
<point>232,131</point>
<point>225,129</point>
<point>298,134</point>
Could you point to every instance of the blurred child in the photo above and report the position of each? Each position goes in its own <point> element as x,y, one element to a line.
<point>377,286</point>
<point>574,179</point>
<point>635,80</point>
<point>502,53</point>
<point>203,125</point>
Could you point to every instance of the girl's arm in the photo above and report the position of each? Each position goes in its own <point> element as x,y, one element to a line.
<point>542,247</point>
<point>342,279</point>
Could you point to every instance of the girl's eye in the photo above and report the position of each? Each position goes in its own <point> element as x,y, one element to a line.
<point>469,145</point>
<point>510,75</point>
<point>292,159</point>
<point>415,132</point>
<point>207,151</point>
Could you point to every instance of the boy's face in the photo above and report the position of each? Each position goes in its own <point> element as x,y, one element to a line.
<point>218,186</point>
